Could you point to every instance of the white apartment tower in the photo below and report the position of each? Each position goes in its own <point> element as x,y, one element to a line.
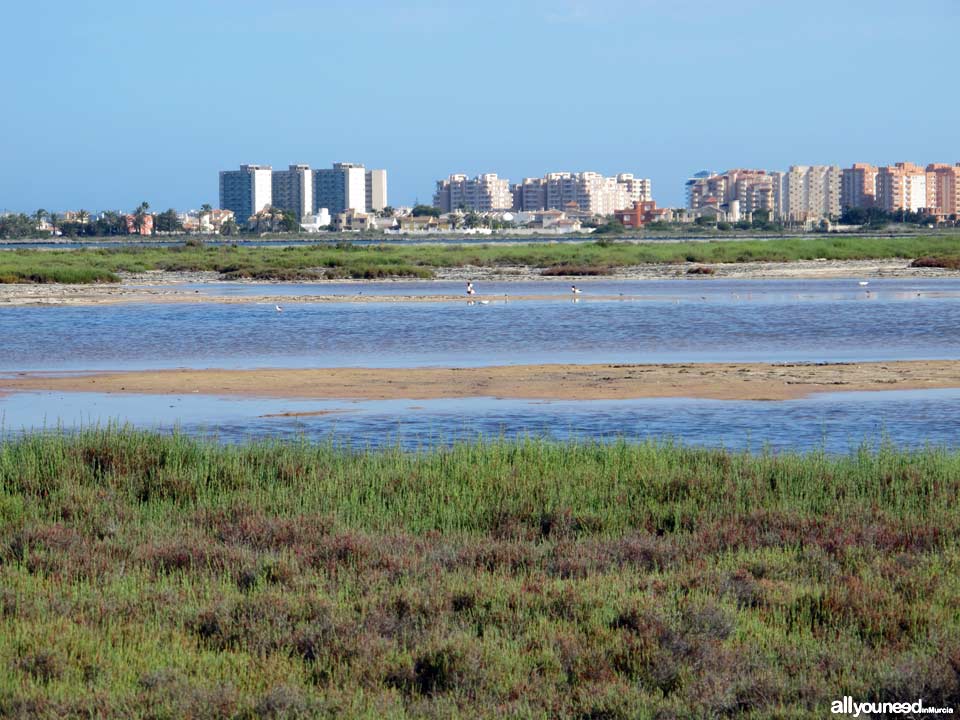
<point>340,188</point>
<point>246,191</point>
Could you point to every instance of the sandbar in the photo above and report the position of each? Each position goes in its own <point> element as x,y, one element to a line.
<point>174,287</point>
<point>722,381</point>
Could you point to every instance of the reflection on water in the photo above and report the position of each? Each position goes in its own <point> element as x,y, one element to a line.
<point>678,321</point>
<point>836,422</point>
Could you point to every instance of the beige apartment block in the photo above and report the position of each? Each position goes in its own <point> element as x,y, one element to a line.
<point>752,190</point>
<point>710,190</point>
<point>484,193</point>
<point>943,189</point>
<point>807,193</point>
<point>858,186</point>
<point>902,187</point>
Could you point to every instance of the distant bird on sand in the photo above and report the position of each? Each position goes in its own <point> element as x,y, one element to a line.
<point>863,283</point>
<point>574,289</point>
<point>278,308</point>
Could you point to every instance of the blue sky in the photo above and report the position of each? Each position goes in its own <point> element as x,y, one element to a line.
<point>111,102</point>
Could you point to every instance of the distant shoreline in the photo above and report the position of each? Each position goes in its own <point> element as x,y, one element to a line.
<point>719,381</point>
<point>167,287</point>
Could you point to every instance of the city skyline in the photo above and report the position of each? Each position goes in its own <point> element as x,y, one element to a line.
<point>149,102</point>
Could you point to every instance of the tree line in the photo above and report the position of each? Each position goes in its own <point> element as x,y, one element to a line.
<point>81,224</point>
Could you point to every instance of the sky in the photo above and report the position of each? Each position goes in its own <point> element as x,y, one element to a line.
<point>108,103</point>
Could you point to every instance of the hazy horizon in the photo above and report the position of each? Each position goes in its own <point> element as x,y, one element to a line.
<point>109,104</point>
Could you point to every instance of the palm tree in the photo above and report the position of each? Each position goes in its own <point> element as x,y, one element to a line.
<point>39,216</point>
<point>53,223</point>
<point>139,216</point>
<point>82,215</point>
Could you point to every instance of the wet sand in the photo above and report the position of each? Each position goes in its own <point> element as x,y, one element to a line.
<point>722,381</point>
<point>167,287</point>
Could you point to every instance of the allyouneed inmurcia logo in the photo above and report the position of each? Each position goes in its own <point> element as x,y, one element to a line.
<point>847,706</point>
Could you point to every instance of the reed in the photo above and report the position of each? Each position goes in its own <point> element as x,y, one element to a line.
<point>146,575</point>
<point>326,260</point>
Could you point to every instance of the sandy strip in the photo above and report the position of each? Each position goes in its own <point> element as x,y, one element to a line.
<point>168,287</point>
<point>724,381</point>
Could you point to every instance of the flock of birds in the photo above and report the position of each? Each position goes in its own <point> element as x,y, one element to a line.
<point>471,291</point>
<point>574,291</point>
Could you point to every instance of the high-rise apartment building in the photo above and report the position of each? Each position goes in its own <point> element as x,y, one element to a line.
<point>943,189</point>
<point>293,190</point>
<point>530,195</point>
<point>591,192</point>
<point>709,189</point>
<point>483,193</point>
<point>902,187</point>
<point>807,193</point>
<point>376,190</point>
<point>692,182</point>
<point>752,190</point>
<point>858,186</point>
<point>246,191</point>
<point>341,188</point>
<point>637,189</point>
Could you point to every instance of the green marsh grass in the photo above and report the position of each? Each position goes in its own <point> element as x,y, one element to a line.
<point>330,261</point>
<point>148,576</point>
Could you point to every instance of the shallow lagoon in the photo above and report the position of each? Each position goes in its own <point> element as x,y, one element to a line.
<point>654,321</point>
<point>835,422</point>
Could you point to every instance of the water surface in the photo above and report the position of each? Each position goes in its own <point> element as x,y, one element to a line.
<point>655,321</point>
<point>836,422</point>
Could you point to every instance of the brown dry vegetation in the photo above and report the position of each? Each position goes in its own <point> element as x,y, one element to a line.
<point>950,262</point>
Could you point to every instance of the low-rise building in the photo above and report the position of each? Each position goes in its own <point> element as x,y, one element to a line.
<point>353,221</point>
<point>320,220</point>
<point>139,226</point>
<point>641,213</point>
<point>423,224</point>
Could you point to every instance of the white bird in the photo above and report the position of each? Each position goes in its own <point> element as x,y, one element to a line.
<point>863,283</point>
<point>484,302</point>
<point>574,289</point>
<point>470,290</point>
<point>278,308</point>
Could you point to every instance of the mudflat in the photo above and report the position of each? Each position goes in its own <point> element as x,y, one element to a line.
<point>722,381</point>
<point>168,287</point>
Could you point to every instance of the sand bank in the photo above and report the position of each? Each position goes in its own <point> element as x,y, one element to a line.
<point>169,287</point>
<point>725,381</point>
